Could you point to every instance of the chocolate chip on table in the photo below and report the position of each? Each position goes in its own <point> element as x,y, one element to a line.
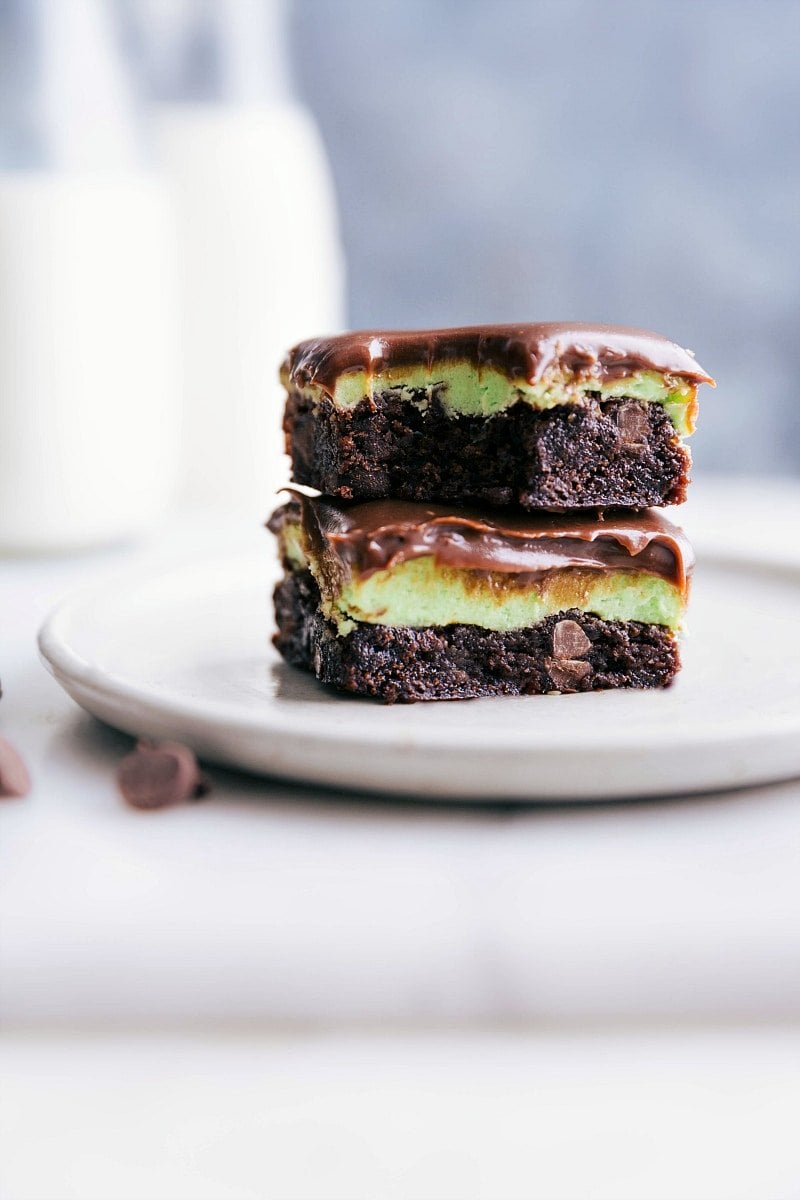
<point>158,774</point>
<point>14,778</point>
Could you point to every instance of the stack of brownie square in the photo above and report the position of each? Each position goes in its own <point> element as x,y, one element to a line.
<point>483,518</point>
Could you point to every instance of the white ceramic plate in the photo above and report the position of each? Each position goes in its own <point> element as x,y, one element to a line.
<point>186,654</point>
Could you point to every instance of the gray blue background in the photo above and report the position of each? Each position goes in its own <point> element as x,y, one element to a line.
<point>632,161</point>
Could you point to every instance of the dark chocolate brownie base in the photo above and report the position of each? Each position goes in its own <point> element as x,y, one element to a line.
<point>618,453</point>
<point>572,651</point>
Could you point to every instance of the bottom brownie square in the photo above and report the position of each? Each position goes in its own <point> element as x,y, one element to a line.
<point>405,602</point>
<point>461,662</point>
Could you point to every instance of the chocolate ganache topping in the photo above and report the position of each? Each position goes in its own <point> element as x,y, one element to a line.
<point>379,534</point>
<point>518,351</point>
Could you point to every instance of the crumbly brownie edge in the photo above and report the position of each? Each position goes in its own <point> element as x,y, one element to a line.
<point>572,651</point>
<point>615,453</point>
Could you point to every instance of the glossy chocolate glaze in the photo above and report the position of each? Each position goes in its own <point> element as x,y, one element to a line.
<point>519,351</point>
<point>378,534</point>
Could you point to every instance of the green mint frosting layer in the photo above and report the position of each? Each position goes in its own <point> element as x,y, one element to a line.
<point>465,391</point>
<point>419,592</point>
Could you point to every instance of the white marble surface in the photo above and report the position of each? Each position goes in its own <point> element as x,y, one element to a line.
<point>657,1115</point>
<point>269,902</point>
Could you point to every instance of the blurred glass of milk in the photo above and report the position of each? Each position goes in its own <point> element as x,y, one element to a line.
<point>259,247</point>
<point>88,313</point>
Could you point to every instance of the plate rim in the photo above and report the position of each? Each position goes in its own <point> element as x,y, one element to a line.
<point>74,673</point>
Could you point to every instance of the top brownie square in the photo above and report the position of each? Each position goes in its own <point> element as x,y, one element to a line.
<point>545,416</point>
